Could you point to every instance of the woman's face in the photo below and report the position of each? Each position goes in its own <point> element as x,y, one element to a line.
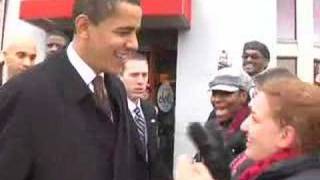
<point>263,134</point>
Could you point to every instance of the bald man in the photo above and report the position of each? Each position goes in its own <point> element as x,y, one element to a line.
<point>19,54</point>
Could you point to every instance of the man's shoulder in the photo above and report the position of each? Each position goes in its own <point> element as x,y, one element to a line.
<point>147,103</point>
<point>148,106</point>
<point>34,79</point>
<point>115,87</point>
<point>25,79</point>
<point>113,81</point>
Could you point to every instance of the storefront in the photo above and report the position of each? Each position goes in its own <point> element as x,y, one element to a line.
<point>184,50</point>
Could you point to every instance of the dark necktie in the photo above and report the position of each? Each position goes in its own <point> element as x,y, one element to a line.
<point>141,127</point>
<point>101,96</point>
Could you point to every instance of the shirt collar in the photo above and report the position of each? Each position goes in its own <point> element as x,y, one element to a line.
<point>132,105</point>
<point>84,70</point>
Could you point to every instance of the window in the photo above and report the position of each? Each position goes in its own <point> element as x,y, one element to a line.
<point>289,63</point>
<point>2,20</point>
<point>316,20</point>
<point>286,20</point>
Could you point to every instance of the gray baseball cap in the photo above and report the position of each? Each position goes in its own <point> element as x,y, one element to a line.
<point>230,79</point>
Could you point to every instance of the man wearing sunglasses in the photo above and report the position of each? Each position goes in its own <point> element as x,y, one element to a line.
<point>256,57</point>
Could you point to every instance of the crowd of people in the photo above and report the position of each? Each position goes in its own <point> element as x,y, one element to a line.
<point>270,131</point>
<point>82,112</point>
<point>281,133</point>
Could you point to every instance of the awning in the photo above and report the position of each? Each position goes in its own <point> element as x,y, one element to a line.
<point>157,14</point>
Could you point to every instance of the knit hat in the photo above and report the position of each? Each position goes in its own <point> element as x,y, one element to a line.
<point>256,45</point>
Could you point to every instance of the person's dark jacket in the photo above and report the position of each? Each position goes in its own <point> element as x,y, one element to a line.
<point>234,139</point>
<point>302,168</point>
<point>153,169</point>
<point>218,145</point>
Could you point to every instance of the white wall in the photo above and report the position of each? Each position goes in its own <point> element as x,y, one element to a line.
<point>215,25</point>
<point>15,26</point>
<point>305,39</point>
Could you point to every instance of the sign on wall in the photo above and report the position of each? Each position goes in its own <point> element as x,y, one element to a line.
<point>165,97</point>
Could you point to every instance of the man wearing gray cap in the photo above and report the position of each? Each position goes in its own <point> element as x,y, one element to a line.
<point>256,57</point>
<point>229,99</point>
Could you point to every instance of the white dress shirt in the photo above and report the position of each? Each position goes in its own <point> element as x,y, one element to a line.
<point>132,106</point>
<point>84,70</point>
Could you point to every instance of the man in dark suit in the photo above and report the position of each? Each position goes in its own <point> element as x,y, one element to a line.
<point>143,119</point>
<point>67,119</point>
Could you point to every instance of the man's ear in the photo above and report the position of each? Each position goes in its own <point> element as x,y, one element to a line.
<point>288,137</point>
<point>266,63</point>
<point>82,24</point>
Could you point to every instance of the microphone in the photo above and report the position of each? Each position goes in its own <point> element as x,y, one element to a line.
<point>210,144</point>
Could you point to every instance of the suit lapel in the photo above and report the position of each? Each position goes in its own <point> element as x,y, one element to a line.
<point>68,80</point>
<point>115,96</point>
<point>72,87</point>
<point>138,144</point>
<point>151,128</point>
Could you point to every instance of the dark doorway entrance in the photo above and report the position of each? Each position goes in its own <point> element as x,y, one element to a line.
<point>161,47</point>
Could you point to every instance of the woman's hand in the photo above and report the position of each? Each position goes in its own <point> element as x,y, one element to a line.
<point>188,170</point>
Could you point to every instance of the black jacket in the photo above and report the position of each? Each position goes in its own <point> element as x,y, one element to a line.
<point>235,141</point>
<point>153,169</point>
<point>303,168</point>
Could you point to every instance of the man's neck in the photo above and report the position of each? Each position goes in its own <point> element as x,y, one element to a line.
<point>132,105</point>
<point>134,100</point>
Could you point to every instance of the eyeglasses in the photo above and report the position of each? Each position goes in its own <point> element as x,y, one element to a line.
<point>252,56</point>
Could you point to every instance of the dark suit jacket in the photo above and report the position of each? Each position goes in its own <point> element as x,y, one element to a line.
<point>153,169</point>
<point>50,128</point>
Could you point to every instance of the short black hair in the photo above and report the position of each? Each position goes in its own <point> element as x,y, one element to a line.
<point>97,10</point>
<point>59,33</point>
<point>135,55</point>
<point>259,46</point>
